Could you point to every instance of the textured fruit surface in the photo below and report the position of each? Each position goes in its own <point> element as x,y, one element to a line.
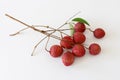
<point>78,50</point>
<point>94,49</point>
<point>79,37</point>
<point>99,33</point>
<point>79,27</point>
<point>68,58</point>
<point>56,50</point>
<point>67,42</point>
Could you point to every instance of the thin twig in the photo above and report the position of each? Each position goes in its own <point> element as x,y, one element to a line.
<point>59,30</point>
<point>18,31</point>
<point>40,26</point>
<point>47,44</point>
<point>73,16</point>
<point>90,29</point>
<point>37,45</point>
<point>17,20</point>
<point>61,35</point>
<point>66,22</point>
<point>86,47</point>
<point>24,29</point>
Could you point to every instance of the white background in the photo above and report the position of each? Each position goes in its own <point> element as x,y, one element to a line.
<point>16,62</point>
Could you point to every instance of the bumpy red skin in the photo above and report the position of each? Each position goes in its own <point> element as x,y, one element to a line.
<point>68,58</point>
<point>99,33</point>
<point>78,50</point>
<point>79,27</point>
<point>67,42</point>
<point>79,37</point>
<point>94,49</point>
<point>56,50</point>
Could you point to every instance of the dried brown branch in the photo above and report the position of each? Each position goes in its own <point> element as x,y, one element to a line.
<point>42,31</point>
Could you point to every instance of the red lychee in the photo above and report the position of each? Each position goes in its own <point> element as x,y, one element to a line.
<point>94,49</point>
<point>79,37</point>
<point>78,50</point>
<point>68,58</point>
<point>56,50</point>
<point>79,27</point>
<point>99,33</point>
<point>67,42</point>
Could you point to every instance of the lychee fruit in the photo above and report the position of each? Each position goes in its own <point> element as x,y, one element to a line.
<point>78,50</point>
<point>94,49</point>
<point>79,37</point>
<point>56,50</point>
<point>99,33</point>
<point>79,27</point>
<point>67,42</point>
<point>68,58</point>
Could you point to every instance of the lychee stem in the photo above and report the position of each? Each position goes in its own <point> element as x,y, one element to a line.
<point>86,47</point>
<point>90,29</point>
<point>73,16</point>
<point>60,30</point>
<point>61,35</point>
<point>18,31</point>
<point>23,30</point>
<point>47,44</point>
<point>37,46</point>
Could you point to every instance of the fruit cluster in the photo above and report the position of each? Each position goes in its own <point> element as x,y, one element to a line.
<point>72,46</point>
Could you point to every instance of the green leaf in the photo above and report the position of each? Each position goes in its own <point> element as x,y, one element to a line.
<point>71,29</point>
<point>81,20</point>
